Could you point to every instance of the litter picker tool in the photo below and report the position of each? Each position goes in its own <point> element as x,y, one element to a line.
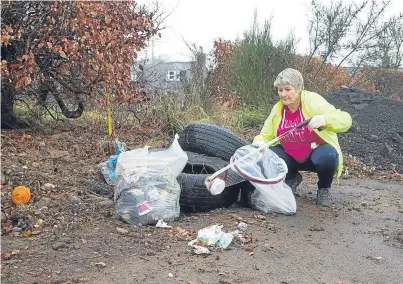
<point>216,185</point>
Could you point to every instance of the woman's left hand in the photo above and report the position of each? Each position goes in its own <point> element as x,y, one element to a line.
<point>317,121</point>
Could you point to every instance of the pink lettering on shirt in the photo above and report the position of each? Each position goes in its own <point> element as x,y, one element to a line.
<point>298,143</point>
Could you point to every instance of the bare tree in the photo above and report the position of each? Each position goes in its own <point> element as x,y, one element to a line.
<point>339,31</point>
<point>196,87</point>
<point>329,26</point>
<point>386,50</point>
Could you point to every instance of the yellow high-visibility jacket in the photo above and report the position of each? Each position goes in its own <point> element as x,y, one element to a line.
<point>312,104</point>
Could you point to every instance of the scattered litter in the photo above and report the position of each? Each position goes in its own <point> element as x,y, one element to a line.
<point>27,136</point>
<point>316,228</point>
<point>201,250</point>
<point>212,235</point>
<point>241,235</point>
<point>242,227</point>
<point>120,147</point>
<point>268,246</point>
<point>15,252</point>
<point>170,275</point>
<point>182,233</point>
<point>244,238</point>
<point>377,258</point>
<point>122,231</point>
<point>5,256</point>
<point>49,186</point>
<point>21,195</point>
<point>100,264</point>
<point>39,223</point>
<point>17,226</point>
<point>162,224</point>
<point>260,217</point>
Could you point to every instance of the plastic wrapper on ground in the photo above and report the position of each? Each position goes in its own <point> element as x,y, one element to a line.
<point>212,236</point>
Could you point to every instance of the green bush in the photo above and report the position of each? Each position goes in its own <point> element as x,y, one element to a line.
<point>250,117</point>
<point>256,61</point>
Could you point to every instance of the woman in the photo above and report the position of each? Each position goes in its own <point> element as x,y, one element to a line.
<point>306,149</point>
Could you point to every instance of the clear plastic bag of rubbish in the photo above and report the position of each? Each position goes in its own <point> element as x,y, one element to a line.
<point>107,167</point>
<point>266,171</point>
<point>146,189</point>
<point>148,196</point>
<point>173,158</point>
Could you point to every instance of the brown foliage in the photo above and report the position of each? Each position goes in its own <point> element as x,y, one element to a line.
<point>319,76</point>
<point>222,70</point>
<point>388,82</point>
<point>74,46</point>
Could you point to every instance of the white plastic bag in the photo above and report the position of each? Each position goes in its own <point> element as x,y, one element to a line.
<point>146,188</point>
<point>173,158</point>
<point>266,171</point>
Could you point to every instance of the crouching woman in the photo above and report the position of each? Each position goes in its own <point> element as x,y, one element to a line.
<point>313,148</point>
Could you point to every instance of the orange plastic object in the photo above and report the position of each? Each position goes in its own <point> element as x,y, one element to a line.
<point>21,195</point>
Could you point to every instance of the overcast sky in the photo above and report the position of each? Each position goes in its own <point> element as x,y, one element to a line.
<point>203,21</point>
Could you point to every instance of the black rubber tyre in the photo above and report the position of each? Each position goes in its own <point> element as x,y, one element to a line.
<point>194,195</point>
<point>211,140</point>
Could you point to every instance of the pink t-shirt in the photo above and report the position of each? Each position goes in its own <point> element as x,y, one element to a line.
<point>298,143</point>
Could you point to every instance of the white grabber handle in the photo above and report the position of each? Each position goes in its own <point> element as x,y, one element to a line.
<point>217,173</point>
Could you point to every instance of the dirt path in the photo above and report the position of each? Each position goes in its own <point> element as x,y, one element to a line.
<point>358,241</point>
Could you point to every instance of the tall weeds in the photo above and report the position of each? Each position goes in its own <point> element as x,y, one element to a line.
<point>256,60</point>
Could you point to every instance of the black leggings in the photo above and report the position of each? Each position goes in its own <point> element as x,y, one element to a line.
<point>323,161</point>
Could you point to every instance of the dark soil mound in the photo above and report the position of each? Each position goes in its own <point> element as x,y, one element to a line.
<point>376,136</point>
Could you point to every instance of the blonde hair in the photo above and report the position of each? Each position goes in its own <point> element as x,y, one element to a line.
<point>291,77</point>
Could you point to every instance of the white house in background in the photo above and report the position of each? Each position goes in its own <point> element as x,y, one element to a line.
<point>159,76</point>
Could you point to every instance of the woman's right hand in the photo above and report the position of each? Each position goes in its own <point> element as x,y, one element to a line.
<point>258,143</point>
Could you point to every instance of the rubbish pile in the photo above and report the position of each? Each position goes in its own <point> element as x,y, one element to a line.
<point>376,136</point>
<point>146,189</point>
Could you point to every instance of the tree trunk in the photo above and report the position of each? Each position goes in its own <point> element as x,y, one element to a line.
<point>8,118</point>
<point>70,113</point>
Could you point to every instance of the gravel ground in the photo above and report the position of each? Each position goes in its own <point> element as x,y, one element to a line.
<point>68,233</point>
